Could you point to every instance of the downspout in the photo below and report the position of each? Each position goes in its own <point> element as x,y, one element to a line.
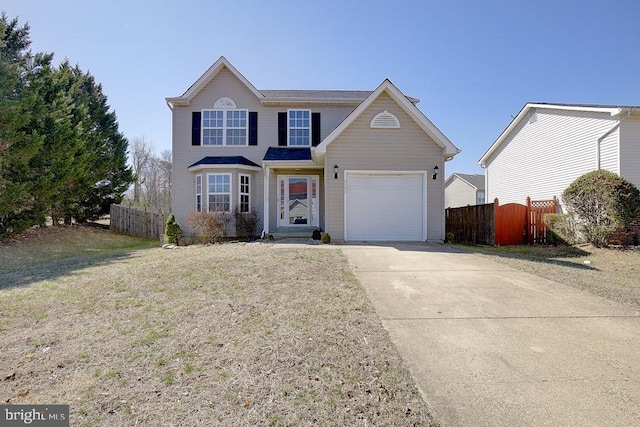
<point>607,133</point>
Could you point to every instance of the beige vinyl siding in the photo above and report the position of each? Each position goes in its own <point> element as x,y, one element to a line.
<point>225,84</point>
<point>543,156</point>
<point>459,193</point>
<point>630,150</point>
<point>404,149</point>
<point>184,154</point>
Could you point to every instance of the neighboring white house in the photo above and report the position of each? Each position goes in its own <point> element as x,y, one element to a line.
<point>547,146</point>
<point>462,189</point>
<point>360,165</point>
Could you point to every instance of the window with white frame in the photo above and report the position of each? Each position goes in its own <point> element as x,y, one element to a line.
<point>245,193</point>
<point>219,192</point>
<point>198,193</point>
<point>480,198</point>
<point>224,127</point>
<point>299,128</point>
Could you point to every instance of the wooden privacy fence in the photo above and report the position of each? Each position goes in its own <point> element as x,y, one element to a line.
<point>471,224</point>
<point>142,222</point>
<point>500,225</point>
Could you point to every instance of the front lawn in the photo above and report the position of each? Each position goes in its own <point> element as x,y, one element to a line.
<point>610,273</point>
<point>235,334</point>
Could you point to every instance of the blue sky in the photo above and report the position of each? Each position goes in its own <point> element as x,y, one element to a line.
<point>473,64</point>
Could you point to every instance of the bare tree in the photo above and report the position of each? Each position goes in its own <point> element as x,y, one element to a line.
<point>153,180</point>
<point>141,155</point>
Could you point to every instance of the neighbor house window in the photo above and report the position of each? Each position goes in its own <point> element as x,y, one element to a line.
<point>299,128</point>
<point>224,127</point>
<point>219,194</point>
<point>198,193</point>
<point>245,193</point>
<point>480,198</point>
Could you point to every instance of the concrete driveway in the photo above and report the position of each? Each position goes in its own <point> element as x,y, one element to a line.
<point>492,346</point>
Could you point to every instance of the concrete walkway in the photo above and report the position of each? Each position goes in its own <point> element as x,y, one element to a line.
<point>492,346</point>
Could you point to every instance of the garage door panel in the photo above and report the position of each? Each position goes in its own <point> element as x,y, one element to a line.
<point>385,207</point>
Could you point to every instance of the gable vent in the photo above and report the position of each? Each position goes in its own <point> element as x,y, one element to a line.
<point>385,120</point>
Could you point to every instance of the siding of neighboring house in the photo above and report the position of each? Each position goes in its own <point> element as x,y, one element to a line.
<point>406,149</point>
<point>548,150</point>
<point>459,193</point>
<point>630,150</point>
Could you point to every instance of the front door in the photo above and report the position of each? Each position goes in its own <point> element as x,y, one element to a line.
<point>298,201</point>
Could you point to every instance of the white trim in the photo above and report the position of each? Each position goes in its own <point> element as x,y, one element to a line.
<point>418,116</point>
<point>230,175</point>
<point>225,103</point>
<point>224,128</point>
<point>289,110</point>
<point>204,79</point>
<point>196,188</point>
<point>287,164</point>
<point>240,193</point>
<point>265,201</point>
<point>311,221</point>
<point>198,168</point>
<point>425,181</point>
<point>384,120</point>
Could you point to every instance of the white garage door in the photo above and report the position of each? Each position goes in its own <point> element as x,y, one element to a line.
<point>385,207</point>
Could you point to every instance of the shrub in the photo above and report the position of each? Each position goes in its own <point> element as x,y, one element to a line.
<point>601,203</point>
<point>561,229</point>
<point>325,238</point>
<point>316,235</point>
<point>172,230</point>
<point>209,227</point>
<point>247,222</point>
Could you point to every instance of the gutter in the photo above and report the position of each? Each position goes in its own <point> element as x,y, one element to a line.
<point>607,133</point>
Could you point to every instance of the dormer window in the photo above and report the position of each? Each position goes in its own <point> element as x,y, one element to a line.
<point>299,133</point>
<point>224,127</point>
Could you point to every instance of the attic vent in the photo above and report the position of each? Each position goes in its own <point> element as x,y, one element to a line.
<point>224,102</point>
<point>385,120</point>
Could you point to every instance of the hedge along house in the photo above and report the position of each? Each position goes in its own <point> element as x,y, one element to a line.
<point>360,165</point>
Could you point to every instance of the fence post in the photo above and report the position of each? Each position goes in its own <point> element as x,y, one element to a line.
<point>529,234</point>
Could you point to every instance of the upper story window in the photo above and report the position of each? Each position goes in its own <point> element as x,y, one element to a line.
<point>299,128</point>
<point>224,127</point>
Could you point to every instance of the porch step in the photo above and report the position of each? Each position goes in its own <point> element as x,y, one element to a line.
<point>297,232</point>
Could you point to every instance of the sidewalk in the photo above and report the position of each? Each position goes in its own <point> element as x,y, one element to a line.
<point>493,346</point>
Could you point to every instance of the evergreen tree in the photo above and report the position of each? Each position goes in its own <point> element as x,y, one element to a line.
<point>61,153</point>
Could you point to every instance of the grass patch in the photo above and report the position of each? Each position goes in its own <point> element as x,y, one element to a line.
<point>609,273</point>
<point>235,334</point>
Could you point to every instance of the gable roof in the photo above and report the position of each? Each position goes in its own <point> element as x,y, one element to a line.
<point>613,110</point>
<point>204,79</point>
<point>273,97</point>
<point>474,180</point>
<point>407,105</point>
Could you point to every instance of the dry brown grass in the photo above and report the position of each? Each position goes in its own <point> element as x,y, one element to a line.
<point>610,273</point>
<point>234,334</point>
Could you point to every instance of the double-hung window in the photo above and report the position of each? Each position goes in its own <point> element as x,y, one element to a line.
<point>224,127</point>
<point>219,192</point>
<point>299,128</point>
<point>245,193</point>
<point>198,193</point>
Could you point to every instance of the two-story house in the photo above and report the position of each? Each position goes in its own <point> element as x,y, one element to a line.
<point>360,165</point>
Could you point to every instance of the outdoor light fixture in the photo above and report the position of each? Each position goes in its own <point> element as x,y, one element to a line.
<point>435,172</point>
<point>335,172</point>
